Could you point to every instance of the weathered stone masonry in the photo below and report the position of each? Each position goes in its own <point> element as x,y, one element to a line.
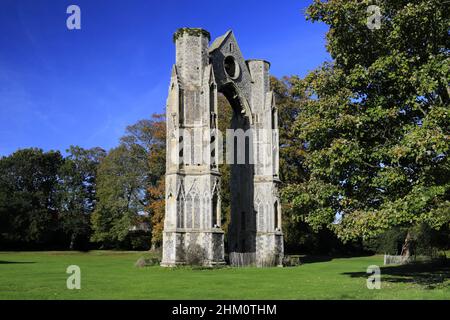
<point>193,214</point>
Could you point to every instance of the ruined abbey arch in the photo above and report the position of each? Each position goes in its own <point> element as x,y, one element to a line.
<point>192,224</point>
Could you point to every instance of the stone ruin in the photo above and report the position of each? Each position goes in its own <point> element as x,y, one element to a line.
<point>192,223</point>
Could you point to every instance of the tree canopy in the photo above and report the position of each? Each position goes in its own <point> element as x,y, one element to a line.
<point>374,121</point>
<point>28,200</point>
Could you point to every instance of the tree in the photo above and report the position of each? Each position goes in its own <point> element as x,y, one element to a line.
<point>150,134</point>
<point>121,192</point>
<point>131,183</point>
<point>28,205</point>
<point>376,120</point>
<point>157,209</point>
<point>77,192</point>
<point>292,150</point>
<point>298,235</point>
<point>157,168</point>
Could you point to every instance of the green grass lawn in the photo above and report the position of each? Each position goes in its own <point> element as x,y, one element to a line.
<point>112,275</point>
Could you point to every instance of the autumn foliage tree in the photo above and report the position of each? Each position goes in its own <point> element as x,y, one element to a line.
<point>157,169</point>
<point>76,193</point>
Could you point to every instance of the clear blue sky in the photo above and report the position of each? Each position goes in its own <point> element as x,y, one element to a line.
<point>83,87</point>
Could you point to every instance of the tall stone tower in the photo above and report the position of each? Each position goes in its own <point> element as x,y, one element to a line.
<point>193,215</point>
<point>192,221</point>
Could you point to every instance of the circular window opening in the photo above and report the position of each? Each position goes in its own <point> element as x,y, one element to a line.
<point>231,67</point>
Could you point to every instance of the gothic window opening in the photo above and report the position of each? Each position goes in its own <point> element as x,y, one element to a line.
<point>180,212</point>
<point>181,148</point>
<point>275,216</point>
<point>181,107</point>
<point>211,99</point>
<point>213,151</point>
<point>231,67</point>
<point>215,202</point>
<point>274,119</point>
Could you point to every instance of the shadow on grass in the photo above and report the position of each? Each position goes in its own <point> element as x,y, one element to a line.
<point>315,259</point>
<point>16,262</point>
<point>304,259</point>
<point>430,275</point>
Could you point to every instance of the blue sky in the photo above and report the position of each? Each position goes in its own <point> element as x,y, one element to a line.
<point>61,87</point>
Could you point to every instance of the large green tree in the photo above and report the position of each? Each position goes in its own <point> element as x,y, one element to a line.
<point>77,192</point>
<point>298,235</point>
<point>375,120</point>
<point>288,104</point>
<point>28,202</point>
<point>121,182</point>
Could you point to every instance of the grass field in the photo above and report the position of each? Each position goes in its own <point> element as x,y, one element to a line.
<point>112,275</point>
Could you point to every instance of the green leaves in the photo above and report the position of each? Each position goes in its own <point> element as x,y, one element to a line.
<point>121,192</point>
<point>28,203</point>
<point>375,122</point>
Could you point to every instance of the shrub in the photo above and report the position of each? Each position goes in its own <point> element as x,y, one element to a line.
<point>291,261</point>
<point>146,262</point>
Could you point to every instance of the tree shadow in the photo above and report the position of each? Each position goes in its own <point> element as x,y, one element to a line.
<point>16,262</point>
<point>430,275</point>
<point>314,259</point>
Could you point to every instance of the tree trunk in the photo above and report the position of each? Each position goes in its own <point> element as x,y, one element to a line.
<point>406,249</point>
<point>72,241</point>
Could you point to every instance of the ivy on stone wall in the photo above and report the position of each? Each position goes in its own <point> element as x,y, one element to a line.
<point>192,32</point>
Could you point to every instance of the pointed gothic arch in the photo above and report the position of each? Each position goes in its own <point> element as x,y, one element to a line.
<point>202,71</point>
